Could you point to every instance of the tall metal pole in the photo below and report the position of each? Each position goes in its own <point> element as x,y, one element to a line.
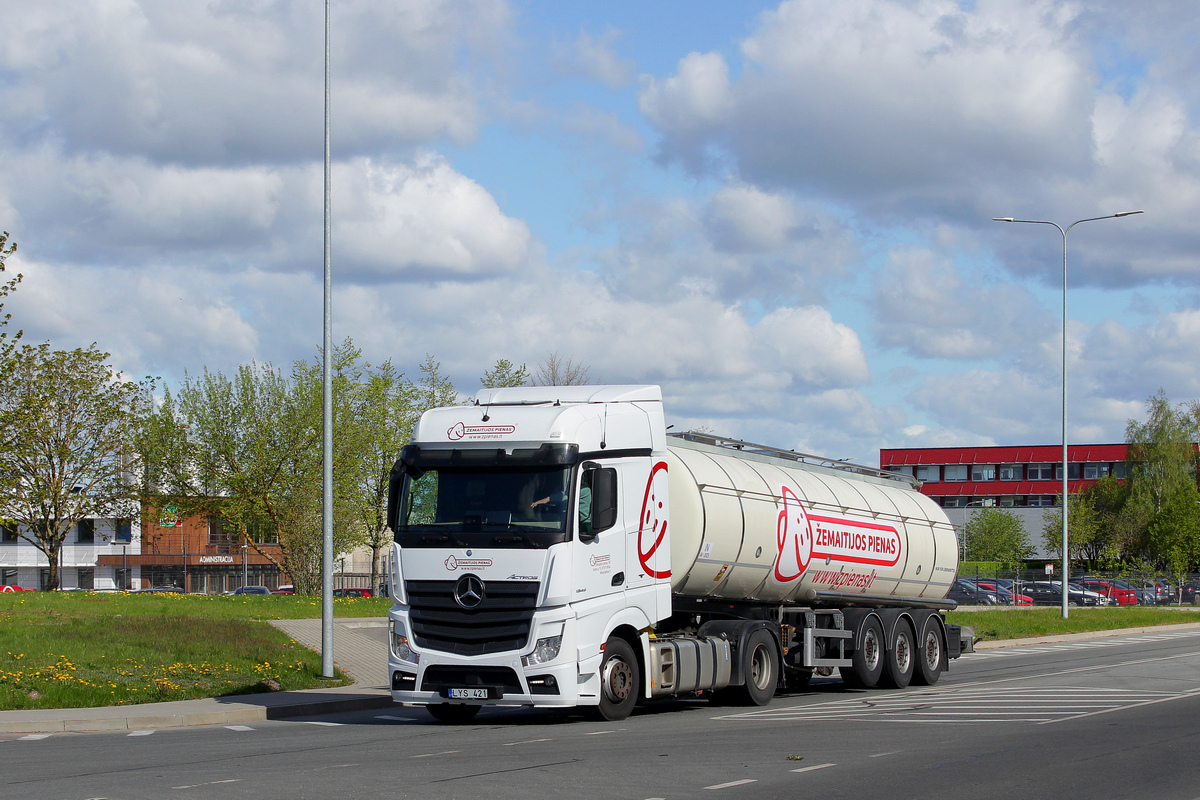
<point>327,417</point>
<point>1066,562</point>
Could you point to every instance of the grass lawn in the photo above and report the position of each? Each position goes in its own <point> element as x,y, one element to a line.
<point>1022,622</point>
<point>86,649</point>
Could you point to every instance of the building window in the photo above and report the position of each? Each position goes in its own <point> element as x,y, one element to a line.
<point>220,532</point>
<point>87,578</point>
<point>8,533</point>
<point>8,577</point>
<point>86,531</point>
<point>44,579</point>
<point>1118,470</point>
<point>263,533</point>
<point>1040,472</point>
<point>1008,501</point>
<point>1094,472</point>
<point>121,578</point>
<point>1010,472</point>
<point>954,502</point>
<point>1073,471</point>
<point>928,473</point>
<point>983,472</point>
<point>1041,500</point>
<point>124,530</point>
<point>900,470</point>
<point>982,502</point>
<point>955,472</point>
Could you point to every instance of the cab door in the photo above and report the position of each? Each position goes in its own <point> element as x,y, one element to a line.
<point>599,563</point>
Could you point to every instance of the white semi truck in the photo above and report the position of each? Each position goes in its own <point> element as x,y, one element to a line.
<point>556,546</point>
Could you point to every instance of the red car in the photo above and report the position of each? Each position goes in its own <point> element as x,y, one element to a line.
<point>1119,595</point>
<point>7,588</point>
<point>352,592</point>
<point>1005,593</point>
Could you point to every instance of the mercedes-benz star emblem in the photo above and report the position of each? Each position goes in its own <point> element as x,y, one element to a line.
<point>469,592</point>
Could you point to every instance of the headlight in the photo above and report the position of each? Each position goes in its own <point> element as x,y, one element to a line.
<point>544,651</point>
<point>400,646</point>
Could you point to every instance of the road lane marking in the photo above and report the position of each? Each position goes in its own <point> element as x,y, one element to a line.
<point>396,719</point>
<point>139,733</point>
<point>530,741</point>
<point>810,769</point>
<point>33,737</point>
<point>210,783</point>
<point>326,724</point>
<point>1181,696</point>
<point>742,782</point>
<point>239,728</point>
<point>431,755</point>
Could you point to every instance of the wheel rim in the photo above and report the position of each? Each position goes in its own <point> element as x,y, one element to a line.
<point>618,679</point>
<point>903,652</point>
<point>932,650</point>
<point>871,650</point>
<point>760,668</point>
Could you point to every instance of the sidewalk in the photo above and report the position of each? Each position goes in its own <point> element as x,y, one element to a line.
<point>359,647</point>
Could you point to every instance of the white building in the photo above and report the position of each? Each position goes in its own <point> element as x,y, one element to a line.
<point>94,555</point>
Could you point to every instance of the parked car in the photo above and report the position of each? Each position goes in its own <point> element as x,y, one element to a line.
<point>251,590</point>
<point>966,593</point>
<point>352,592</point>
<point>1049,593</point>
<point>7,588</point>
<point>284,590</point>
<point>160,590</point>
<point>1006,595</point>
<point>1120,595</point>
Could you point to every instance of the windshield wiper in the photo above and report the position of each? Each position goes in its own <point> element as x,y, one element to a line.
<point>522,535</point>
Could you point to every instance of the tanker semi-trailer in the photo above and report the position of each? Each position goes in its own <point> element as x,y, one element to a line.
<point>555,546</point>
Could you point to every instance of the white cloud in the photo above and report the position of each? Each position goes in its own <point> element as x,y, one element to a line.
<point>593,56</point>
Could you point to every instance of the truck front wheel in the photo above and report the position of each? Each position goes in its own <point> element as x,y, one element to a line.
<point>760,665</point>
<point>619,680</point>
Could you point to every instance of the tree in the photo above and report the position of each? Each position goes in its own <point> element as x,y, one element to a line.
<point>996,535</point>
<point>503,374</point>
<point>553,370</point>
<point>67,432</point>
<point>1161,459</point>
<point>6,288</point>
<point>1174,533</point>
<point>1083,527</point>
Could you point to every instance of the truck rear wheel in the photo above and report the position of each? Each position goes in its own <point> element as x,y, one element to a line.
<point>931,654</point>
<point>760,666</point>
<point>619,680</point>
<point>867,660</point>
<point>901,655</point>
<point>453,713</point>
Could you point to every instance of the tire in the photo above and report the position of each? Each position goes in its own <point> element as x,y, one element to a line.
<point>867,659</point>
<point>901,656</point>
<point>453,713</point>
<point>760,668</point>
<point>620,680</point>
<point>931,654</point>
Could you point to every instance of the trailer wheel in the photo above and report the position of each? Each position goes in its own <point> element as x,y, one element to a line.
<point>453,713</point>
<point>867,660</point>
<point>619,680</point>
<point>931,657</point>
<point>901,656</point>
<point>760,666</point>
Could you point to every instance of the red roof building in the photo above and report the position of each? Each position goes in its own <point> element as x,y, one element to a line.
<point>1012,477</point>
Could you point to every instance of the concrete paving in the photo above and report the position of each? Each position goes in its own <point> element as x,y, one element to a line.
<point>359,647</point>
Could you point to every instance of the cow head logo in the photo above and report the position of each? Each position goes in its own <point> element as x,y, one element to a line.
<point>652,524</point>
<point>794,537</point>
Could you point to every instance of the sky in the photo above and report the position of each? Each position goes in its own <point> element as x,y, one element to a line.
<point>779,212</point>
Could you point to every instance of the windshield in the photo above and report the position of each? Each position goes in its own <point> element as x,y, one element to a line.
<point>485,507</point>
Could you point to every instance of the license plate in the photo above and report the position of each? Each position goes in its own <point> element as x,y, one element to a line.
<point>468,694</point>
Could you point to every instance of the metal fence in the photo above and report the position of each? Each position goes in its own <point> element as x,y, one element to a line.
<point>1125,587</point>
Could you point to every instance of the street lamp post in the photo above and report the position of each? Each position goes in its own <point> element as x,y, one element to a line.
<point>1066,568</point>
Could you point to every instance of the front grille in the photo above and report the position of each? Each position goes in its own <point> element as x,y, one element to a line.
<point>501,622</point>
<point>438,679</point>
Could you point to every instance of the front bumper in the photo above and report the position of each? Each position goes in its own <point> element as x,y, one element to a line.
<point>434,676</point>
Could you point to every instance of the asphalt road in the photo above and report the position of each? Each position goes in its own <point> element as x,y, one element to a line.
<point>1107,718</point>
